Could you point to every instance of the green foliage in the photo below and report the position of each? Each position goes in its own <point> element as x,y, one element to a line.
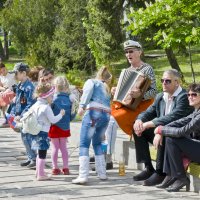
<point>65,34</point>
<point>104,31</point>
<point>69,47</point>
<point>32,24</point>
<point>172,22</point>
<point>77,77</point>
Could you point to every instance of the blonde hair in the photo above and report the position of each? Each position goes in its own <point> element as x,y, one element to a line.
<point>41,89</point>
<point>61,84</point>
<point>104,75</point>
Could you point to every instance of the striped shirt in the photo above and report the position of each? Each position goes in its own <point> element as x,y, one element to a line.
<point>147,70</point>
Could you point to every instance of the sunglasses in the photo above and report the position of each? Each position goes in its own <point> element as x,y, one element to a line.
<point>130,51</point>
<point>193,94</point>
<point>166,81</point>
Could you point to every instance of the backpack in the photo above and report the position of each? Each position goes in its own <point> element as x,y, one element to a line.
<point>30,122</point>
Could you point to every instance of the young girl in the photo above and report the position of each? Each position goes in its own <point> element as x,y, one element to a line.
<point>96,101</point>
<point>61,130</point>
<point>45,116</point>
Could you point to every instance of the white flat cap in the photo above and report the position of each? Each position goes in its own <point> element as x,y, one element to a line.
<point>131,44</point>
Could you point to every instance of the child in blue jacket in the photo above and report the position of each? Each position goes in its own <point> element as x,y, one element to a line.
<point>23,101</point>
<point>60,131</point>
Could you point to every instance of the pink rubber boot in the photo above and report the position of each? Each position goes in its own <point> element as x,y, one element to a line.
<point>41,176</point>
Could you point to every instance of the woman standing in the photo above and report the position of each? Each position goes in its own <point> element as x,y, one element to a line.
<point>96,102</point>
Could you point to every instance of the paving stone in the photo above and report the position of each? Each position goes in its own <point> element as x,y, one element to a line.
<point>17,183</point>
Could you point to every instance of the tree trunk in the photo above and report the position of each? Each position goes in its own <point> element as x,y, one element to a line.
<point>6,49</point>
<point>173,61</point>
<point>191,64</point>
<point>1,51</point>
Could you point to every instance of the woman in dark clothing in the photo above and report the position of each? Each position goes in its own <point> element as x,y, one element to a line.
<point>182,139</point>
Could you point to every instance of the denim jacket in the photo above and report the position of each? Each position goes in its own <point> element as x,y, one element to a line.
<point>62,101</point>
<point>94,91</point>
<point>24,98</point>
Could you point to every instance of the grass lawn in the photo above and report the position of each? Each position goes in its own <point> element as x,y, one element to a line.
<point>12,61</point>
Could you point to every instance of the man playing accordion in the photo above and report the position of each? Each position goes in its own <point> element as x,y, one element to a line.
<point>124,116</point>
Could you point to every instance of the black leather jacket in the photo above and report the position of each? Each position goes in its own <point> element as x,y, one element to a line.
<point>186,127</point>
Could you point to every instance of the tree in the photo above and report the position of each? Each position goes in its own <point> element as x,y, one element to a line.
<point>69,47</point>
<point>1,51</point>
<point>173,23</point>
<point>32,24</point>
<point>4,50</point>
<point>104,30</point>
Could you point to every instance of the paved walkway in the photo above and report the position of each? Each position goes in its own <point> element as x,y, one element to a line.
<point>19,183</point>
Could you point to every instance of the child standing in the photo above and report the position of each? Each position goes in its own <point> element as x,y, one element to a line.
<point>96,102</point>
<point>23,101</point>
<point>45,116</point>
<point>61,130</point>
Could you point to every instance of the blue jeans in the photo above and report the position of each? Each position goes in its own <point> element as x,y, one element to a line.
<point>27,141</point>
<point>93,129</point>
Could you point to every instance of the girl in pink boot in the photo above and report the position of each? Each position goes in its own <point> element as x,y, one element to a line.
<point>45,117</point>
<point>60,131</point>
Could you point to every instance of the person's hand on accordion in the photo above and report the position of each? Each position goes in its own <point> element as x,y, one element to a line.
<point>135,93</point>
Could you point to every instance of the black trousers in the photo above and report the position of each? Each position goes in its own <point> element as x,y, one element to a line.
<point>174,151</point>
<point>142,149</point>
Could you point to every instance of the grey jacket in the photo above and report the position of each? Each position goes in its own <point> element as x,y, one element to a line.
<point>156,112</point>
<point>186,127</point>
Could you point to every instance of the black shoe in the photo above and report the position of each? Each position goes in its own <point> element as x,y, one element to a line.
<point>23,164</point>
<point>166,182</point>
<point>32,165</point>
<point>155,179</point>
<point>92,159</point>
<point>145,174</point>
<point>178,184</point>
<point>109,166</point>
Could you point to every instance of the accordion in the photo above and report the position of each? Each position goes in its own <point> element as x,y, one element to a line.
<point>130,80</point>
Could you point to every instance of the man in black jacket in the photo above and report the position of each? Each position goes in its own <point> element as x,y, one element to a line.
<point>169,105</point>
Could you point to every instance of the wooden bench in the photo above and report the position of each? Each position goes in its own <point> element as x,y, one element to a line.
<point>193,169</point>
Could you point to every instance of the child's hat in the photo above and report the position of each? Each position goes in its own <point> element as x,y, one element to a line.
<point>20,67</point>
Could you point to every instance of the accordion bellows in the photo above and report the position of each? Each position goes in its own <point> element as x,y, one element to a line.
<point>130,80</point>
